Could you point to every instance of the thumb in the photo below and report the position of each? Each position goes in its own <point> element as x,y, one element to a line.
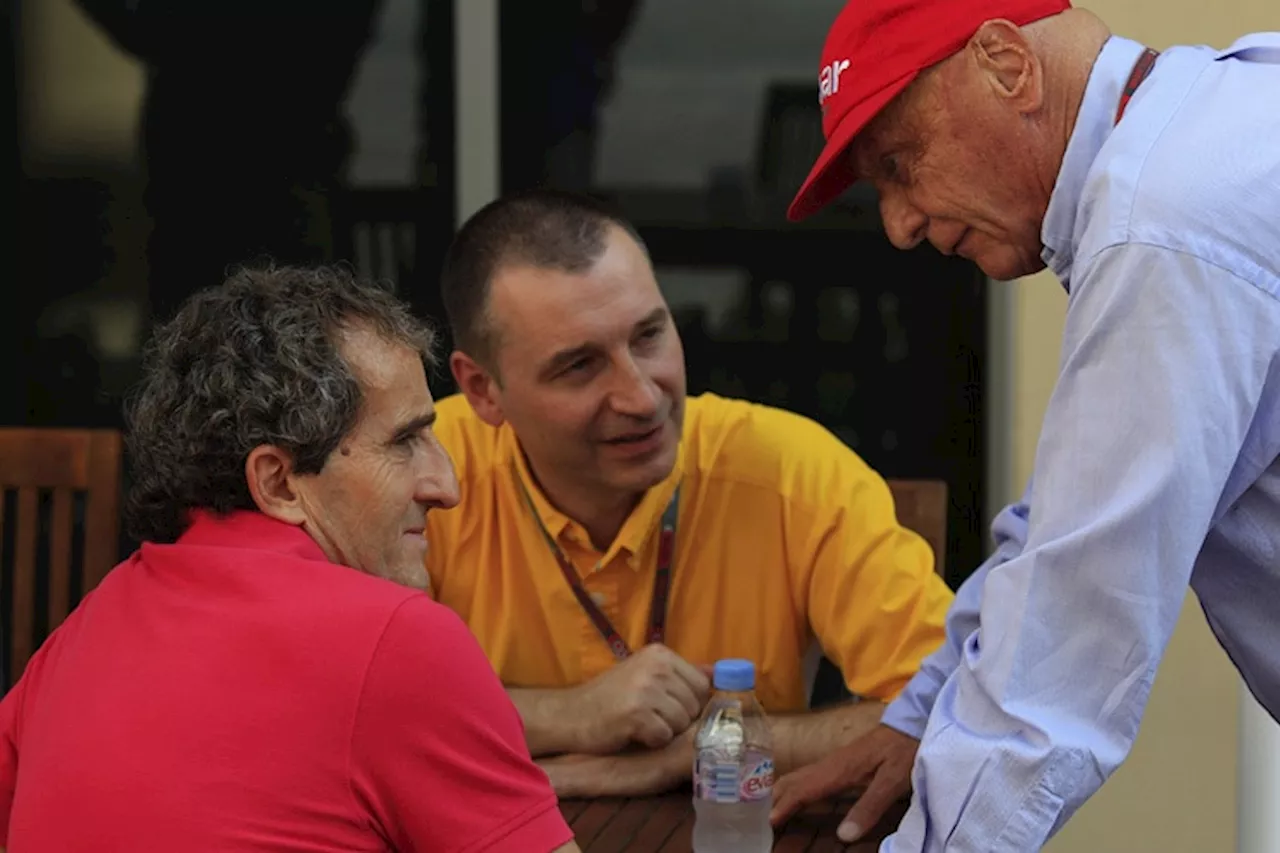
<point>869,810</point>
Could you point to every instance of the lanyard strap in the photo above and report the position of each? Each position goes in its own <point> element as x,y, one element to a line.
<point>1141,70</point>
<point>661,579</point>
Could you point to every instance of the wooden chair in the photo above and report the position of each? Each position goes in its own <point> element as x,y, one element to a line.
<point>61,463</point>
<point>921,507</point>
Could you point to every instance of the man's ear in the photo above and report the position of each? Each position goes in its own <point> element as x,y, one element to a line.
<point>1011,67</point>
<point>268,470</point>
<point>479,386</point>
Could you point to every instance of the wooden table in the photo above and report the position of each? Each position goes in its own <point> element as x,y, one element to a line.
<point>665,823</point>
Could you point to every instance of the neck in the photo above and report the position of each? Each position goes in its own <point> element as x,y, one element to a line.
<point>600,511</point>
<point>1068,45</point>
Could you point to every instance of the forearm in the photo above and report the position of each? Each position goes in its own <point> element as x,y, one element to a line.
<point>804,738</point>
<point>635,773</point>
<point>552,724</point>
<point>799,739</point>
<point>909,713</point>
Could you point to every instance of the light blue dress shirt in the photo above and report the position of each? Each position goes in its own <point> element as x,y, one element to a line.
<point>1158,465</point>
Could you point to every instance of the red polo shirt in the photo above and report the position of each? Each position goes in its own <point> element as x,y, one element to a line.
<point>237,691</point>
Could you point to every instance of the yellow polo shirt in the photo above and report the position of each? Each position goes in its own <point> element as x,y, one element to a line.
<point>784,536</point>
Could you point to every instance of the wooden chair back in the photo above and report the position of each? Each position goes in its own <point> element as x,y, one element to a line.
<point>922,508</point>
<point>46,471</point>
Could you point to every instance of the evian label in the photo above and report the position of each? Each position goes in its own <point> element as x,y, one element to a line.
<point>729,782</point>
<point>757,782</point>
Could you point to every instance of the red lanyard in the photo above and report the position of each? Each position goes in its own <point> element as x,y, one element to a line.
<point>1141,70</point>
<point>661,579</point>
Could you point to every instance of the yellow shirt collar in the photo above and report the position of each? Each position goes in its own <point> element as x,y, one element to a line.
<point>643,522</point>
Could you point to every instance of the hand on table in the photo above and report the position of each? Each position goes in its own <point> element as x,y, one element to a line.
<point>879,763</point>
<point>647,699</point>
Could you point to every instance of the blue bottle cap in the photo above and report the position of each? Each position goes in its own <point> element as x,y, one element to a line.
<point>734,674</point>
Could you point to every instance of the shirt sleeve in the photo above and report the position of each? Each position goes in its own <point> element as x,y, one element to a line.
<point>874,600</point>
<point>910,711</point>
<point>438,750</point>
<point>1165,359</point>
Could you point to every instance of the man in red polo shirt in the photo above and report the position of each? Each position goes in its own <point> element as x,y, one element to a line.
<point>264,674</point>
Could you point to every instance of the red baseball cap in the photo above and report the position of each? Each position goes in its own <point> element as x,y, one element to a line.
<point>874,50</point>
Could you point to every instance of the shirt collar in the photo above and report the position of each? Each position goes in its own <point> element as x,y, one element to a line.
<point>641,524</point>
<point>249,530</point>
<point>1093,126</point>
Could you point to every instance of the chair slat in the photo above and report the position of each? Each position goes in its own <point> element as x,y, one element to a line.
<point>24,579</point>
<point>60,533</point>
<point>68,462</point>
<point>102,509</point>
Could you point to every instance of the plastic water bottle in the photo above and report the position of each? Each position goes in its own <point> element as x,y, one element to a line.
<point>733,766</point>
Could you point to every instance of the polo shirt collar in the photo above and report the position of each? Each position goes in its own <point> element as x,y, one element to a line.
<point>249,530</point>
<point>640,525</point>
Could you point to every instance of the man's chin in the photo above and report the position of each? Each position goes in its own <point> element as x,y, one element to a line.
<point>643,474</point>
<point>1006,264</point>
<point>410,573</point>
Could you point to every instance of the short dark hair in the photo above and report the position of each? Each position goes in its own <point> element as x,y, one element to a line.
<point>543,228</point>
<point>253,361</point>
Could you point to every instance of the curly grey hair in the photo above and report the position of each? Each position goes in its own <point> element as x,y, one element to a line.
<point>251,362</point>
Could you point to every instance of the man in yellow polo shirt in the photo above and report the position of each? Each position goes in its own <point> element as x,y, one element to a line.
<point>616,538</point>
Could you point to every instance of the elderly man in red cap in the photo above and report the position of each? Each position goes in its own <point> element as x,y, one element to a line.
<point>1020,134</point>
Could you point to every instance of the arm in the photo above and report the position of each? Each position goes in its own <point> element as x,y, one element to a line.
<point>798,739</point>
<point>646,700</point>
<point>551,720</point>
<point>802,739</point>
<point>867,584</point>
<point>910,711</point>
<point>878,762</point>
<point>1165,360</point>
<point>437,752</point>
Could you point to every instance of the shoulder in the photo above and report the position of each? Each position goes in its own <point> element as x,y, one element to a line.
<point>471,443</point>
<point>1185,173</point>
<point>429,635</point>
<point>424,645</point>
<point>749,443</point>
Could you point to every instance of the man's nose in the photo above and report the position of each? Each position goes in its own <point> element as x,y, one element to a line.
<point>905,225</point>
<point>438,483</point>
<point>634,393</point>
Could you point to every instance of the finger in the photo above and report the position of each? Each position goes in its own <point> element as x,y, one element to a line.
<point>696,677</point>
<point>787,797</point>
<point>835,774</point>
<point>679,690</point>
<point>654,731</point>
<point>673,711</point>
<point>885,789</point>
